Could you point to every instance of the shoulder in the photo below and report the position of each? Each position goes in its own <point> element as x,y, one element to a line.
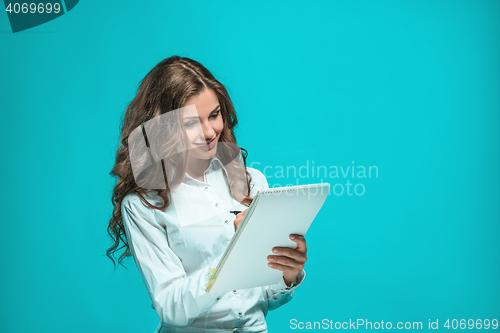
<point>136,213</point>
<point>256,174</point>
<point>259,181</point>
<point>133,203</point>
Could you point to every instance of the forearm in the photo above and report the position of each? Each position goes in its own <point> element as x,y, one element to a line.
<point>183,300</point>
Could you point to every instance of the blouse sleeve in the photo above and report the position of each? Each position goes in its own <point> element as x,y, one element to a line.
<point>278,294</point>
<point>178,299</point>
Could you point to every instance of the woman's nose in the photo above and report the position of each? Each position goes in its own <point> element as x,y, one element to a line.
<point>208,131</point>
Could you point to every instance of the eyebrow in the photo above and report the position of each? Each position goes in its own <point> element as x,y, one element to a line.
<point>218,106</point>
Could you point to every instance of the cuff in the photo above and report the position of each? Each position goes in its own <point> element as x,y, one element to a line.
<point>282,288</point>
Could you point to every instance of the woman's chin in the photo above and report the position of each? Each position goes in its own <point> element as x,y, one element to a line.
<point>205,153</point>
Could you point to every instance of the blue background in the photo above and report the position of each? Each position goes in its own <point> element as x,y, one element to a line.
<point>411,87</point>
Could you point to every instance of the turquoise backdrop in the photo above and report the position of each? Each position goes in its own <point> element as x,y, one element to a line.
<point>411,88</point>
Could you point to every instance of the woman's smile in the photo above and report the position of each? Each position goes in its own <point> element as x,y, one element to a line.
<point>209,144</point>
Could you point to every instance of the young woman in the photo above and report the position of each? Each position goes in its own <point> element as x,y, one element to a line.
<point>179,173</point>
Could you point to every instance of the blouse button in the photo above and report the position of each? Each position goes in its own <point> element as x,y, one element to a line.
<point>234,291</point>
<point>240,313</point>
<point>226,221</point>
<point>206,188</point>
<point>218,298</point>
<point>216,204</point>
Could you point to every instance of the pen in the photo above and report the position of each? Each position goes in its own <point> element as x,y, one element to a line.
<point>235,211</point>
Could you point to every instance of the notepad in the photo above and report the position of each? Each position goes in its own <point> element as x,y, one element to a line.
<point>272,216</point>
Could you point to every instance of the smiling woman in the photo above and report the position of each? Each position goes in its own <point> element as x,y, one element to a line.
<point>173,214</point>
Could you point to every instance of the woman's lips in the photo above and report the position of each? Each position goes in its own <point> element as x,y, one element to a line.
<point>209,145</point>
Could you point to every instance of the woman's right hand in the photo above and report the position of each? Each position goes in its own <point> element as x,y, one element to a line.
<point>239,218</point>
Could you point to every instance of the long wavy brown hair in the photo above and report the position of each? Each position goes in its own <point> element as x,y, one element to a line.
<point>165,88</point>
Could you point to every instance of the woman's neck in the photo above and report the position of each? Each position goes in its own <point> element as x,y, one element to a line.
<point>197,167</point>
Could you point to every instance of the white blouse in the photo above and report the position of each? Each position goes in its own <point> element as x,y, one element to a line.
<point>175,255</point>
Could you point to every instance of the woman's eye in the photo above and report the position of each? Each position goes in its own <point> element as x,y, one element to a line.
<point>215,115</point>
<point>189,124</point>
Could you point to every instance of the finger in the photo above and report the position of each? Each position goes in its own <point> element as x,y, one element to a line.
<point>237,223</point>
<point>286,261</point>
<point>287,270</point>
<point>301,242</point>
<point>242,213</point>
<point>291,253</point>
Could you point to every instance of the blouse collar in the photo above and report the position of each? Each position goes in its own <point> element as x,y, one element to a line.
<point>215,164</point>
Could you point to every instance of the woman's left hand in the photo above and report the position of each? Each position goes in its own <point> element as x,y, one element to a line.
<point>290,261</point>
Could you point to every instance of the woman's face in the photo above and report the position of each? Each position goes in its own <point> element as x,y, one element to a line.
<point>204,127</point>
